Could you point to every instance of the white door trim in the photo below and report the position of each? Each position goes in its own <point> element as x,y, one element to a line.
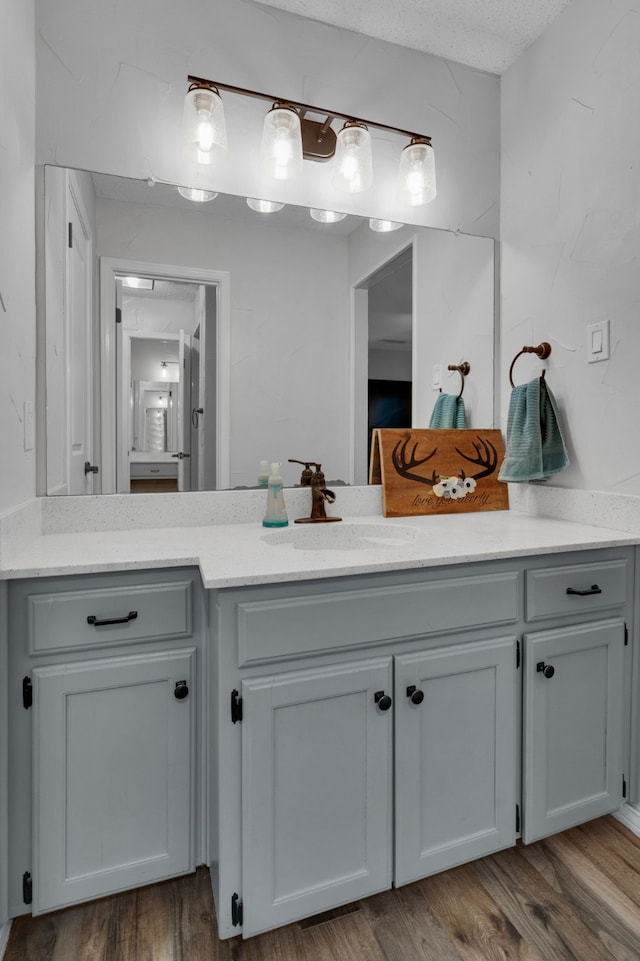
<point>110,267</point>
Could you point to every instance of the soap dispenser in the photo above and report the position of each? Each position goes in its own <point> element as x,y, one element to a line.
<point>276,512</point>
<point>263,473</point>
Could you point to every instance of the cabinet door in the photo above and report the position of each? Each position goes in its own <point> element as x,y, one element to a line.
<point>572,726</point>
<point>455,756</point>
<point>316,779</point>
<point>112,775</point>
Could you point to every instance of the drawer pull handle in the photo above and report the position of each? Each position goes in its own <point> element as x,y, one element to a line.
<point>414,695</point>
<point>383,700</point>
<point>594,589</point>
<point>181,690</point>
<point>92,619</point>
<point>546,669</point>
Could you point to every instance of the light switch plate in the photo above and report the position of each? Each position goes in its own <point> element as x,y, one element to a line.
<point>436,377</point>
<point>598,342</point>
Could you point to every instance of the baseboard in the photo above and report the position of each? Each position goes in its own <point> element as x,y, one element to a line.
<point>630,817</point>
<point>4,937</point>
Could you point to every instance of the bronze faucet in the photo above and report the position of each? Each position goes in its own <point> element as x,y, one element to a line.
<point>320,496</point>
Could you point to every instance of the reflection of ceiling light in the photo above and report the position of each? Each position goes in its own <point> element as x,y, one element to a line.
<point>264,206</point>
<point>164,368</point>
<point>197,195</point>
<point>139,283</point>
<point>289,136</point>
<point>326,216</point>
<point>384,226</point>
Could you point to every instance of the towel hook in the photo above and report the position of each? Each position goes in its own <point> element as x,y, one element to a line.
<point>542,351</point>
<point>463,369</point>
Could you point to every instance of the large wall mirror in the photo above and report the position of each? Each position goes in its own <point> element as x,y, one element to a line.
<point>245,336</point>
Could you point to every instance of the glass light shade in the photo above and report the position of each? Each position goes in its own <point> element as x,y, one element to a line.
<point>326,216</point>
<point>264,206</point>
<point>281,155</point>
<point>384,226</point>
<point>204,125</point>
<point>197,195</point>
<point>353,163</point>
<point>417,173</point>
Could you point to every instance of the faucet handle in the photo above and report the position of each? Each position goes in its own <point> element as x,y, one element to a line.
<point>307,473</point>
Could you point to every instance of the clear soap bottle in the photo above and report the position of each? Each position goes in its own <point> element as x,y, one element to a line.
<point>276,512</point>
<point>263,473</point>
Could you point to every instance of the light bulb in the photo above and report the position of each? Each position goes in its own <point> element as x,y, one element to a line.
<point>326,216</point>
<point>204,125</point>
<point>417,172</point>
<point>384,226</point>
<point>264,206</point>
<point>163,365</point>
<point>281,155</point>
<point>353,170</point>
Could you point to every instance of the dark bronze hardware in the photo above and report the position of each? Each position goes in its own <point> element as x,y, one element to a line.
<point>319,495</point>
<point>383,700</point>
<point>90,468</point>
<point>307,473</point>
<point>594,589</point>
<point>543,350</point>
<point>194,416</point>
<point>414,695</point>
<point>236,707</point>
<point>180,455</point>
<point>105,622</point>
<point>27,692</point>
<point>463,369</point>
<point>547,669</point>
<point>181,690</point>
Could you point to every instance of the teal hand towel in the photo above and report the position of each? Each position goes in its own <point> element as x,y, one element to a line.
<point>448,412</point>
<point>535,448</point>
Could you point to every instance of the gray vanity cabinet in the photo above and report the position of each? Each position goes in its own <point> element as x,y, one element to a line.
<point>573,725</point>
<point>103,773</point>
<point>455,748</point>
<point>316,790</point>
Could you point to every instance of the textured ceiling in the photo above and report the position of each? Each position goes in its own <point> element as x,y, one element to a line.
<point>487,34</point>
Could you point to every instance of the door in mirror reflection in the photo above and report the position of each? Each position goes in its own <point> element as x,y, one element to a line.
<point>161,394</point>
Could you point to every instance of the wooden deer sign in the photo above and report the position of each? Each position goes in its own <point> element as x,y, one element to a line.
<point>438,471</point>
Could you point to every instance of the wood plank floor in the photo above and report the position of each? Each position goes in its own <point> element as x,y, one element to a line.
<point>571,897</point>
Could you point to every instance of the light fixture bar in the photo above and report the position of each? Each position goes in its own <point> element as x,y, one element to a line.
<point>307,107</point>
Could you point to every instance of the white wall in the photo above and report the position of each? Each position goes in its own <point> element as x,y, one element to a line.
<point>112,80</point>
<point>17,246</point>
<point>289,338</point>
<point>570,230</point>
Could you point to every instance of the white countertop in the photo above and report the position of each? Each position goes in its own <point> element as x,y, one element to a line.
<point>232,555</point>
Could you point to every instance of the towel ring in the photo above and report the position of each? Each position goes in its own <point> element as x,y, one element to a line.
<point>463,369</point>
<point>542,350</point>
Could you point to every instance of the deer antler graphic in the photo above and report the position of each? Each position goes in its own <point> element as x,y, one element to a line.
<point>486,457</point>
<point>404,464</point>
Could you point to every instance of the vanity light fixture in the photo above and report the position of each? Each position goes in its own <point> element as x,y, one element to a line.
<point>281,156</point>
<point>326,216</point>
<point>197,195</point>
<point>353,170</point>
<point>289,136</point>
<point>163,365</point>
<point>205,129</point>
<point>417,172</point>
<point>384,226</point>
<point>264,206</point>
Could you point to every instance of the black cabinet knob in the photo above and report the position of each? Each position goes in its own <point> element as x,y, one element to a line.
<point>181,690</point>
<point>547,670</point>
<point>414,695</point>
<point>383,700</point>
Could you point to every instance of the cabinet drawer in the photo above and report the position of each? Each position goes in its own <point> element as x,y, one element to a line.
<point>75,619</point>
<point>575,589</point>
<point>296,626</point>
<point>153,469</point>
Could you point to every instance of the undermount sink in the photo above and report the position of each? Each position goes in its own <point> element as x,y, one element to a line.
<point>344,536</point>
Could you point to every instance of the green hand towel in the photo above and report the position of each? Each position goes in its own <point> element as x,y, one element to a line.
<point>448,412</point>
<point>535,447</point>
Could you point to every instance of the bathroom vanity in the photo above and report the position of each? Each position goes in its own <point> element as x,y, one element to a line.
<point>315,724</point>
